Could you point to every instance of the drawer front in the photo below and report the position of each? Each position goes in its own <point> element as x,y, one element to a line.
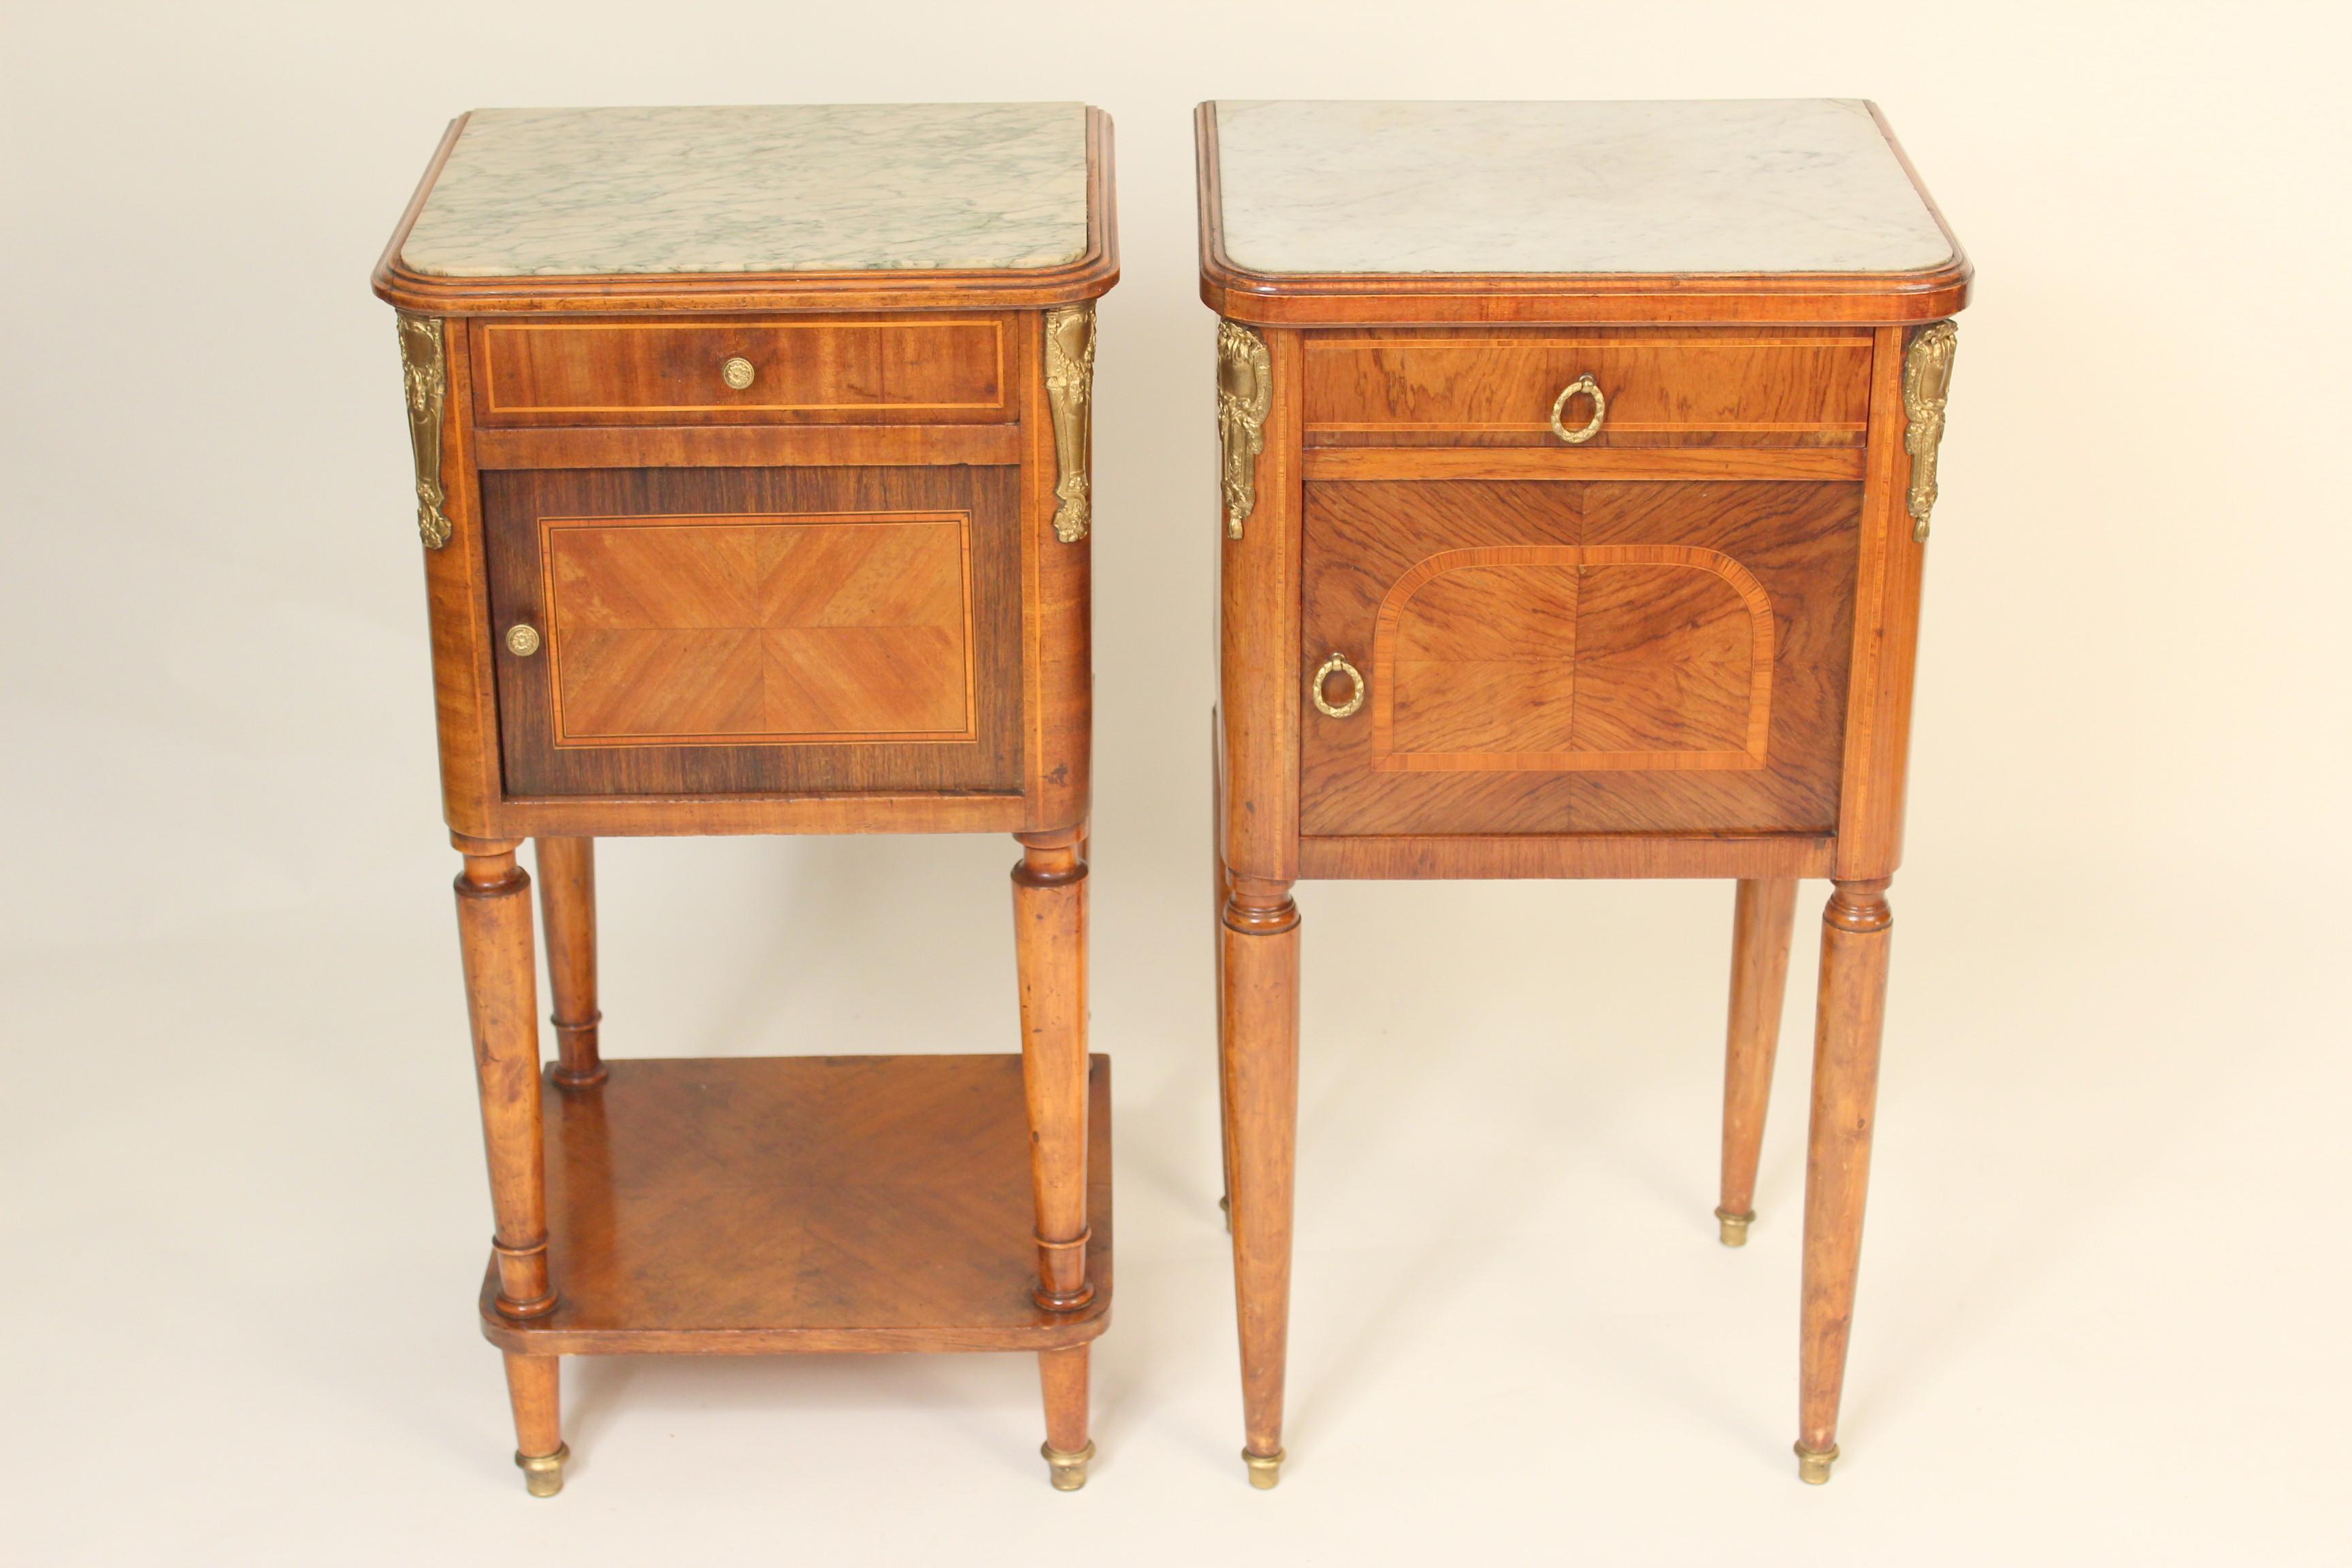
<point>723,631</point>
<point>1545,656</point>
<point>928,371</point>
<point>1660,388</point>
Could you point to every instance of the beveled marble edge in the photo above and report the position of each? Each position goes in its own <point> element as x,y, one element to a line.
<point>1948,270</point>
<point>1093,274</point>
<point>757,190</point>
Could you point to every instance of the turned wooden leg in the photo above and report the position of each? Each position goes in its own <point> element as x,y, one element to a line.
<point>1049,914</point>
<point>494,935</point>
<point>534,1386</point>
<point>567,906</point>
<point>1856,930</point>
<point>1763,920</point>
<point>1067,1448</point>
<point>1259,1021</point>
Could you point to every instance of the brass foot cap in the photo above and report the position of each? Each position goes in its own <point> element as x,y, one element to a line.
<point>1812,1468</point>
<point>1264,1469</point>
<point>1066,1470</point>
<point>542,1476</point>
<point>1735,1225</point>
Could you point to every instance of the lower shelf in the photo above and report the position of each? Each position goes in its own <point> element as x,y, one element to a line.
<point>752,1205</point>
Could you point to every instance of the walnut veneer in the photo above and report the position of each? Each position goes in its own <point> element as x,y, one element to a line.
<point>1600,572</point>
<point>766,552</point>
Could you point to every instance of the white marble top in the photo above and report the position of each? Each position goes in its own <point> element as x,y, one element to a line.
<point>769,188</point>
<point>1753,185</point>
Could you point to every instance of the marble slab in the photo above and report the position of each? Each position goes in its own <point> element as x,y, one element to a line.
<point>1753,185</point>
<point>767,188</point>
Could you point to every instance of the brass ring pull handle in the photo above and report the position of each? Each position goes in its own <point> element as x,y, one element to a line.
<point>738,372</point>
<point>1590,388</point>
<point>1338,665</point>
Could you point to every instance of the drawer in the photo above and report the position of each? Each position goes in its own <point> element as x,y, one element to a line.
<point>1552,656</point>
<point>1797,387</point>
<point>756,630</point>
<point>899,370</point>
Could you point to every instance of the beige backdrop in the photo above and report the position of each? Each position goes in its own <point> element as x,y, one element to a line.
<point>240,1183</point>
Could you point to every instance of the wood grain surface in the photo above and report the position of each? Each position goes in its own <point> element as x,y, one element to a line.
<point>1663,387</point>
<point>825,369</point>
<point>1706,709</point>
<point>813,627</point>
<point>758,629</point>
<point>751,1205</point>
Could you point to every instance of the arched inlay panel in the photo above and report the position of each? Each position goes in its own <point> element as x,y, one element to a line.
<point>1573,658</point>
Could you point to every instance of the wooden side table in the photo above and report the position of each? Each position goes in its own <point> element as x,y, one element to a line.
<point>751,476</point>
<point>1577,467</point>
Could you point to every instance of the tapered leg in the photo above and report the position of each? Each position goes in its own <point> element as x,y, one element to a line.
<point>1856,930</point>
<point>1049,912</point>
<point>1762,922</point>
<point>567,907</point>
<point>534,1386</point>
<point>1259,1025</point>
<point>1067,1449</point>
<point>494,935</point>
<point>1222,890</point>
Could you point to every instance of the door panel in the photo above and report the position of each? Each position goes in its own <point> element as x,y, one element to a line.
<point>1559,657</point>
<point>711,631</point>
<point>779,629</point>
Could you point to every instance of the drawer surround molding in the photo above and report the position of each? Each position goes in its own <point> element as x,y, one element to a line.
<point>1501,386</point>
<point>585,354</point>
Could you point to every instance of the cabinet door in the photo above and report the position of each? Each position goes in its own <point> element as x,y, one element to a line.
<point>1548,656</point>
<point>712,631</point>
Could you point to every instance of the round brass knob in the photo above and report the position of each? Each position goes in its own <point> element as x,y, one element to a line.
<point>1589,388</point>
<point>1338,665</point>
<point>522,640</point>
<point>738,372</point>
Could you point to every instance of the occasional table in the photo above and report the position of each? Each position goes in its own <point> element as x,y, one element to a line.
<point>751,485</point>
<point>1577,463</point>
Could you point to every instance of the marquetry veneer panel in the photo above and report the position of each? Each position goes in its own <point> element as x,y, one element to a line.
<point>1568,658</point>
<point>729,630</point>
<point>758,629</point>
<point>755,1205</point>
<point>1564,657</point>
